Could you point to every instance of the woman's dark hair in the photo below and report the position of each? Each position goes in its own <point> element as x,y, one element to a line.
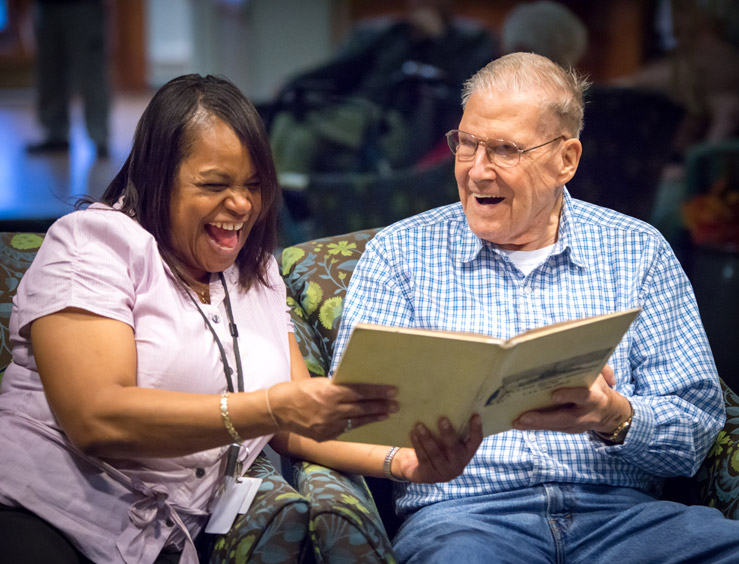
<point>164,137</point>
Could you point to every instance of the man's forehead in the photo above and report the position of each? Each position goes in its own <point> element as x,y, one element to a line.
<point>522,109</point>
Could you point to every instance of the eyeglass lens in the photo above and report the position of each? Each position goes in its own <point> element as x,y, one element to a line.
<point>501,152</point>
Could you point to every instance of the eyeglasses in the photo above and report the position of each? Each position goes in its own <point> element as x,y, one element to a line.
<point>499,151</point>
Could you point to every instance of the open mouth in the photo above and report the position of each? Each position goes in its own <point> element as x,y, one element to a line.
<point>488,200</point>
<point>225,235</point>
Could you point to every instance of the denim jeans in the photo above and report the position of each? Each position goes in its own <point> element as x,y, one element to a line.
<point>567,523</point>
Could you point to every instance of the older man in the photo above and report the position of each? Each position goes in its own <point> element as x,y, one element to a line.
<point>580,483</point>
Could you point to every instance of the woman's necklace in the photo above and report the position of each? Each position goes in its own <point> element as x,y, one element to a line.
<point>204,295</point>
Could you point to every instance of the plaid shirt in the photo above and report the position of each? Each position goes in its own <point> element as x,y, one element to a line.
<point>431,271</point>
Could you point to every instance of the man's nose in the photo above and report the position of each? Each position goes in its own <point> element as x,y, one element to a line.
<point>481,167</point>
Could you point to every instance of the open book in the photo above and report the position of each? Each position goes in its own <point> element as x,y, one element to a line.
<point>441,373</point>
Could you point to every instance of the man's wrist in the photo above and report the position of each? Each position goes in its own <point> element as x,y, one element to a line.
<point>618,435</point>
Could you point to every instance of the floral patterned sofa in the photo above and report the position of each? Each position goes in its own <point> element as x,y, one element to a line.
<point>344,524</point>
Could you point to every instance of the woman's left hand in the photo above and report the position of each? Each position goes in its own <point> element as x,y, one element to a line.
<point>437,458</point>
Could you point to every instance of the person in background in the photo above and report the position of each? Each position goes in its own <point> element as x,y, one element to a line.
<point>546,28</point>
<point>579,483</point>
<point>153,351</point>
<point>71,58</point>
<point>382,98</point>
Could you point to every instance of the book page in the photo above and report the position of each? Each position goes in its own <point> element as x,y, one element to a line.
<point>534,368</point>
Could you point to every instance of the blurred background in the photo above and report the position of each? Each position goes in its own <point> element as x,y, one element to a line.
<point>357,94</point>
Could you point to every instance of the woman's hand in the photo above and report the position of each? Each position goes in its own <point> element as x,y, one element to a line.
<point>319,409</point>
<point>437,458</point>
<point>598,408</point>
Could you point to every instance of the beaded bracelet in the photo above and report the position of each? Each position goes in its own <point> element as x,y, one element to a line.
<point>227,420</point>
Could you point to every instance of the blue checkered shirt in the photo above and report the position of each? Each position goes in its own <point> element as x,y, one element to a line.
<point>431,271</point>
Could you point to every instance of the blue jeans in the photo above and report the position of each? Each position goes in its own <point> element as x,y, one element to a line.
<point>567,523</point>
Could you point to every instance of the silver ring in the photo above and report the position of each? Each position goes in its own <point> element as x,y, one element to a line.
<point>348,425</point>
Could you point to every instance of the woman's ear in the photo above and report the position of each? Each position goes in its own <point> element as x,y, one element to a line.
<point>571,153</point>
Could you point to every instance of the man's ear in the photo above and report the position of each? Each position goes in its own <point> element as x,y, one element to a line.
<point>571,153</point>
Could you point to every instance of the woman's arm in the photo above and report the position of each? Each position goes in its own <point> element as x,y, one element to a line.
<point>433,458</point>
<point>87,365</point>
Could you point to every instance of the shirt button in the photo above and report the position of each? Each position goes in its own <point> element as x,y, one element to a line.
<point>199,472</point>
<point>527,290</point>
<point>216,319</point>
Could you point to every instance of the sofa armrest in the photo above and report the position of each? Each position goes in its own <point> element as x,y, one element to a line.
<point>718,477</point>
<point>275,529</point>
<point>345,525</point>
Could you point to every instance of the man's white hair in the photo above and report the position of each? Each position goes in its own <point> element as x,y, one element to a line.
<point>562,89</point>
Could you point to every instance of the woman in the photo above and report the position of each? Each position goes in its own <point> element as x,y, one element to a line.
<point>137,318</point>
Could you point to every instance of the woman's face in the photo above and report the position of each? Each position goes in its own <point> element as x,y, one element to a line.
<point>216,199</point>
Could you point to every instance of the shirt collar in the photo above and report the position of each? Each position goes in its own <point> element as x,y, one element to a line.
<point>468,245</point>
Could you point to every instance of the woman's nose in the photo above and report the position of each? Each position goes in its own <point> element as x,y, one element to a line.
<point>239,200</point>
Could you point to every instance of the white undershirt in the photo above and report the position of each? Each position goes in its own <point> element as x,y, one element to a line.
<point>526,261</point>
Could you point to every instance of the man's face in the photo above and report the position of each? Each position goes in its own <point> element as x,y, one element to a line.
<point>516,208</point>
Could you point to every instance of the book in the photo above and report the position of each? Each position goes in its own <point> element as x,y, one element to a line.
<point>454,374</point>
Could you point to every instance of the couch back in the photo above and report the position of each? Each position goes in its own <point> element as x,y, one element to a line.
<point>316,275</point>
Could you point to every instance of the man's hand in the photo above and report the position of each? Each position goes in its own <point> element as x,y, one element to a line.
<point>437,458</point>
<point>599,408</point>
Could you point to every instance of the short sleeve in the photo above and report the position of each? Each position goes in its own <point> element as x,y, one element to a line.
<point>90,260</point>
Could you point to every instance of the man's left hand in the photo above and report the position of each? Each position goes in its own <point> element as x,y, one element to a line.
<point>576,410</point>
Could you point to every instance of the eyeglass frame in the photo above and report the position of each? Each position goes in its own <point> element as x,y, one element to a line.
<point>491,158</point>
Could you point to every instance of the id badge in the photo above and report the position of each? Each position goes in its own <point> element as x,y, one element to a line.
<point>235,500</point>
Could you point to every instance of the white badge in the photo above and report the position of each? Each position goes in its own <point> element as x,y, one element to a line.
<point>235,499</point>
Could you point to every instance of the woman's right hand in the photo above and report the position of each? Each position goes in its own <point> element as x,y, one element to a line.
<point>319,409</point>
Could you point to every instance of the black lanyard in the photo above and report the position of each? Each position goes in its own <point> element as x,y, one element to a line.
<point>232,467</point>
<point>233,329</point>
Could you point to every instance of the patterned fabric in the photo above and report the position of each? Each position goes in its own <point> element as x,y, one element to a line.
<point>431,271</point>
<point>344,523</point>
<point>718,477</point>
<point>274,530</point>
<point>16,253</point>
<point>317,275</point>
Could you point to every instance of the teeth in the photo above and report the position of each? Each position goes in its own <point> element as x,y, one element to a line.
<point>227,226</point>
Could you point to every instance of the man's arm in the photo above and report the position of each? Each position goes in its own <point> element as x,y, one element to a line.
<point>667,381</point>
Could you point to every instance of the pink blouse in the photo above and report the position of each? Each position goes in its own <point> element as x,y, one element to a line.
<point>104,262</point>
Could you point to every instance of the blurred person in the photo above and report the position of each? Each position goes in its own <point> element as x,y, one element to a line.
<point>71,58</point>
<point>547,28</point>
<point>700,70</point>
<point>375,86</point>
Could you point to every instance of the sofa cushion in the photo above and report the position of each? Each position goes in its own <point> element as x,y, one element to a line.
<point>345,525</point>
<point>16,254</point>
<point>275,529</point>
<point>317,274</point>
<point>718,477</point>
